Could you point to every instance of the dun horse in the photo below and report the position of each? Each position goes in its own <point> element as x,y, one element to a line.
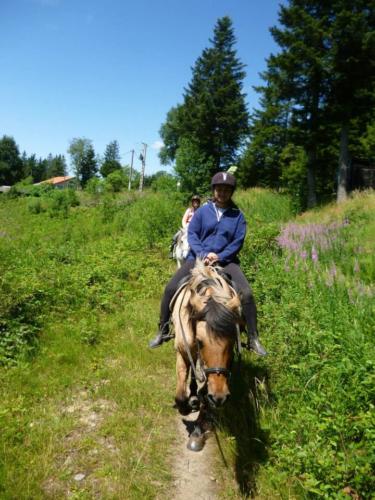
<point>206,316</point>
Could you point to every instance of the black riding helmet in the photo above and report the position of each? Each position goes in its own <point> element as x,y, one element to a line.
<point>224,178</point>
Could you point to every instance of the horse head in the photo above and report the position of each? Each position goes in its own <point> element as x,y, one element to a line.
<point>216,312</point>
<point>181,249</point>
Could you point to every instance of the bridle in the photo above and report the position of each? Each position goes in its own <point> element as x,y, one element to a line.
<point>216,370</point>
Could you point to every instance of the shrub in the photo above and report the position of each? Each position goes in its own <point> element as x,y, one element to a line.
<point>94,186</point>
<point>115,181</point>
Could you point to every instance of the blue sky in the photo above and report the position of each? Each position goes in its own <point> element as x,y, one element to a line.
<point>112,69</point>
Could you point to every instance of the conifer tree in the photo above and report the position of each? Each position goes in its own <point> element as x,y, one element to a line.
<point>111,159</point>
<point>323,76</point>
<point>300,75</point>
<point>88,166</point>
<point>352,70</point>
<point>213,117</point>
<point>56,166</point>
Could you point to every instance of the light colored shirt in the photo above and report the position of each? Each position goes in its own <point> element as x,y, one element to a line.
<point>188,215</point>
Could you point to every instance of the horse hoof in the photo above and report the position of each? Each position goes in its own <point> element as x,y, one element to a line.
<point>194,403</point>
<point>183,407</point>
<point>196,443</point>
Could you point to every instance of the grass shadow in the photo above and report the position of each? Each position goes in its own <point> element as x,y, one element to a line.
<point>240,419</point>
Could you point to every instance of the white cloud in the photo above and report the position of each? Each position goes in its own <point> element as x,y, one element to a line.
<point>157,145</point>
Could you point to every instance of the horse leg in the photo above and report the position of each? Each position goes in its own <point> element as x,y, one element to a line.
<point>204,420</point>
<point>193,398</point>
<point>182,372</point>
<point>203,425</point>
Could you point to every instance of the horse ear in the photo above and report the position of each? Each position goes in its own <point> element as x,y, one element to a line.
<point>196,301</point>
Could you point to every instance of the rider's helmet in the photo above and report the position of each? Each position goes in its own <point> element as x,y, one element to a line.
<point>224,178</point>
<point>195,197</point>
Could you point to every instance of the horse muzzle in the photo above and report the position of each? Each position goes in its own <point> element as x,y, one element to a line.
<point>217,401</point>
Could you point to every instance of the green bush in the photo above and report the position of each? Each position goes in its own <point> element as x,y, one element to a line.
<point>115,181</point>
<point>60,201</point>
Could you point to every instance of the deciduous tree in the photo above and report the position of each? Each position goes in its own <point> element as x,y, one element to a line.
<point>83,158</point>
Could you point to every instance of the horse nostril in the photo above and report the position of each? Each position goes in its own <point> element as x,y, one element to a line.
<point>216,400</point>
<point>220,401</point>
<point>211,399</point>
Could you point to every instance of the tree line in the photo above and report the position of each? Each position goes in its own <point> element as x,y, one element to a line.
<point>316,109</point>
<point>16,167</point>
<point>87,165</point>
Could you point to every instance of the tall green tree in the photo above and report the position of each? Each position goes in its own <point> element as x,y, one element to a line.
<point>36,168</point>
<point>323,78</point>
<point>171,131</point>
<point>11,164</point>
<point>193,167</point>
<point>259,164</point>
<point>352,70</point>
<point>213,117</point>
<point>299,73</point>
<point>83,158</point>
<point>111,159</point>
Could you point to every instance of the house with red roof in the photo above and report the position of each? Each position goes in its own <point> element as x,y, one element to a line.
<point>61,182</point>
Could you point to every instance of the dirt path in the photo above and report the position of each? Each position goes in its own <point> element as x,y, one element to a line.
<point>193,470</point>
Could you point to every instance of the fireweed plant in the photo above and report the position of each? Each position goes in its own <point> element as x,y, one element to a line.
<point>320,322</point>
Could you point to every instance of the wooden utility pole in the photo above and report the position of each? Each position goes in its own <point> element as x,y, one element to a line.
<point>142,157</point>
<point>131,171</point>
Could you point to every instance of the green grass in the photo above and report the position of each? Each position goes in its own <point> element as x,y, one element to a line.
<point>81,393</point>
<point>313,432</point>
<point>79,303</point>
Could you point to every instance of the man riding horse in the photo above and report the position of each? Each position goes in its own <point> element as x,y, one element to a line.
<point>216,235</point>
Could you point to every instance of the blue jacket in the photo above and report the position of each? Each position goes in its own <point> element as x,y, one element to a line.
<point>225,237</point>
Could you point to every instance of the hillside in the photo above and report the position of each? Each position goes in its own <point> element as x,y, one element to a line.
<point>81,393</point>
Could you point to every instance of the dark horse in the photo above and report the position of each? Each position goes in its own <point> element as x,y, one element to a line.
<point>206,316</point>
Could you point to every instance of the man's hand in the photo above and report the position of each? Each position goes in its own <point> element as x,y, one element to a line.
<point>210,259</point>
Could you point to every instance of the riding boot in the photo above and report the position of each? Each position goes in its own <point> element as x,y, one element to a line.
<point>162,336</point>
<point>253,344</point>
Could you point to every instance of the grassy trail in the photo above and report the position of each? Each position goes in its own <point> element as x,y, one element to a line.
<point>86,408</point>
<point>90,423</point>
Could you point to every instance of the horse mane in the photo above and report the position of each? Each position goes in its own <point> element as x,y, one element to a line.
<point>217,300</point>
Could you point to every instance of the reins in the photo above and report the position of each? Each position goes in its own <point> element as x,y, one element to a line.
<point>186,344</point>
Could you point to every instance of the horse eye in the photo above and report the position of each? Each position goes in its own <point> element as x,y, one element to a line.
<point>200,344</point>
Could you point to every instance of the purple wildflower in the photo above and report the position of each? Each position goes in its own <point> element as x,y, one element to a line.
<point>333,271</point>
<point>314,254</point>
